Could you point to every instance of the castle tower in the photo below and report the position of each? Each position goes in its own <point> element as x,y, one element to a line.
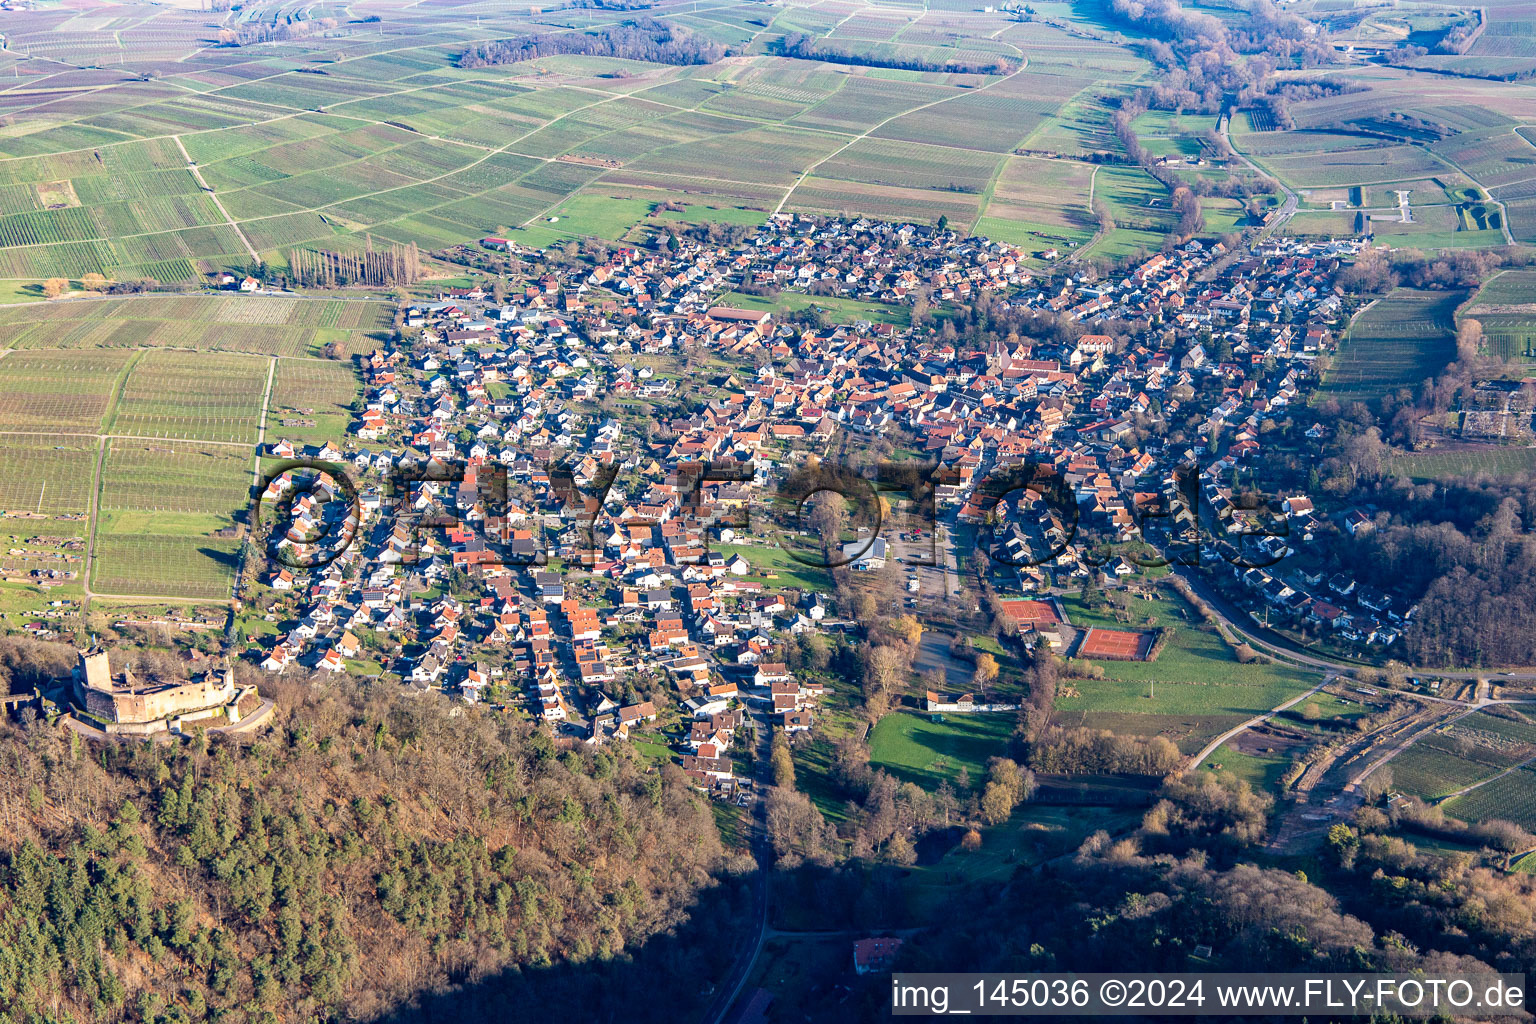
<point>95,672</point>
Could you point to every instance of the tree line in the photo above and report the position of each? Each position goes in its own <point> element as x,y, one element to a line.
<point>806,47</point>
<point>645,39</point>
<point>380,268</point>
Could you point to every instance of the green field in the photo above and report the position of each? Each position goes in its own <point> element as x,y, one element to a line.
<point>1261,771</point>
<point>1195,675</point>
<point>776,567</point>
<point>1398,342</point>
<point>914,748</point>
<point>838,308</point>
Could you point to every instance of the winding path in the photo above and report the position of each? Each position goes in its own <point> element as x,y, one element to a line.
<point>1215,744</point>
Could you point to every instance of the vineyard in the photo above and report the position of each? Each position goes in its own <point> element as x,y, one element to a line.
<point>208,397</point>
<point>66,390</point>
<point>312,400</point>
<point>166,510</point>
<point>1511,798</point>
<point>268,325</point>
<point>47,475</point>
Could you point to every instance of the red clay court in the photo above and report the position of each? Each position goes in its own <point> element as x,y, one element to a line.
<point>1115,645</point>
<point>1031,613</point>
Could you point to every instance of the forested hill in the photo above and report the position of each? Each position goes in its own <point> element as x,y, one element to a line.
<point>371,849</point>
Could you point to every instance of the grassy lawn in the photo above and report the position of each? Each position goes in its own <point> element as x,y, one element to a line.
<point>12,290</point>
<point>914,748</point>
<point>590,215</point>
<point>775,567</point>
<point>841,309</point>
<point>1196,673</point>
<point>1328,708</point>
<point>651,746</point>
<point>1261,771</point>
<point>733,824</point>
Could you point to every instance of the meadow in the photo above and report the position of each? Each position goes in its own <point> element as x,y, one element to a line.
<point>776,567</point>
<point>1040,203</point>
<point>840,309</point>
<point>1196,675</point>
<point>914,747</point>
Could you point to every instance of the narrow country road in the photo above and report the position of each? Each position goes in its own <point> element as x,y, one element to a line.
<point>752,946</point>
<point>208,190</point>
<point>1215,744</point>
<point>1292,200</point>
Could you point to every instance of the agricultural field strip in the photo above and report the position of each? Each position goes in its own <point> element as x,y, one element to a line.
<point>198,175</point>
<point>606,97</point>
<point>489,153</point>
<point>1023,64</point>
<point>1509,238</point>
<point>245,83</point>
<point>122,380</point>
